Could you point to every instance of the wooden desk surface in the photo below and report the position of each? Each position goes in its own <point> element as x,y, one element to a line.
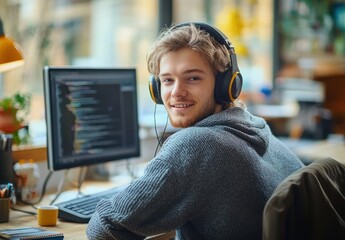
<point>70,230</point>
<point>75,231</point>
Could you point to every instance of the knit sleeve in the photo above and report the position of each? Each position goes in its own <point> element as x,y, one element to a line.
<point>149,205</point>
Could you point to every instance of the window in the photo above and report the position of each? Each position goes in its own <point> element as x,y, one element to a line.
<point>94,33</point>
<point>248,25</point>
<point>118,33</point>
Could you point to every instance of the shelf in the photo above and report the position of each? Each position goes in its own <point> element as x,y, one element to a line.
<point>36,153</point>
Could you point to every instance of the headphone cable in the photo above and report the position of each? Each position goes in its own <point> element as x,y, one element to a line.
<point>155,123</point>
<point>159,139</point>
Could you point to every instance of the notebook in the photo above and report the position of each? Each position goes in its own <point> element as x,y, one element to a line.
<point>29,233</point>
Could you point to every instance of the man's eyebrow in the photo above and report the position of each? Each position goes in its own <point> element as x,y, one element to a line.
<point>192,70</point>
<point>164,75</point>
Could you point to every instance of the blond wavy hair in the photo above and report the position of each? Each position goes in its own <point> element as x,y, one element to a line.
<point>189,36</point>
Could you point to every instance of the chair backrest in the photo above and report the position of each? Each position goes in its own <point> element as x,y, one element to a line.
<point>309,204</point>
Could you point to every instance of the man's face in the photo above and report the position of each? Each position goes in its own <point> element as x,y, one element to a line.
<point>187,87</point>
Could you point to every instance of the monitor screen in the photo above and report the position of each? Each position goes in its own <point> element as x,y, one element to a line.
<point>91,115</point>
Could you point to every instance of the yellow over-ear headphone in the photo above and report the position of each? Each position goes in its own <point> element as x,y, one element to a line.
<point>228,83</point>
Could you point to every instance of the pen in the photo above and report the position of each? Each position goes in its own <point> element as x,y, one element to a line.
<point>9,189</point>
<point>2,142</point>
<point>8,146</point>
<point>6,190</point>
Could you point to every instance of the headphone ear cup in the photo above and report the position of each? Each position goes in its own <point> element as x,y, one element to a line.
<point>236,86</point>
<point>228,86</point>
<point>154,88</point>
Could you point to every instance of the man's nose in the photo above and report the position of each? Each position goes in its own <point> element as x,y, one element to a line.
<point>179,89</point>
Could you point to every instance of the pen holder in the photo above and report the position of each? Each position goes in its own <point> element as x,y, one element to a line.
<point>4,209</point>
<point>6,163</point>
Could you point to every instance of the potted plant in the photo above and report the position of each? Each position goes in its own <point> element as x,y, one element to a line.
<point>13,111</point>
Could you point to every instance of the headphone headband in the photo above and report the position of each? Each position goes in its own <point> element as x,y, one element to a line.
<point>213,31</point>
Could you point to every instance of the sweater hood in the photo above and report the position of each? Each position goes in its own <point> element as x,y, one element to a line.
<point>242,124</point>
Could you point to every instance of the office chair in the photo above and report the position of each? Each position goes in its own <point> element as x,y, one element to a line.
<point>309,204</point>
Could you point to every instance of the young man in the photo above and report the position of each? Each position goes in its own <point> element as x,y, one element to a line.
<point>212,178</point>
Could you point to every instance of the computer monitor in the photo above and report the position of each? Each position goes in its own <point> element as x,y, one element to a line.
<point>91,115</point>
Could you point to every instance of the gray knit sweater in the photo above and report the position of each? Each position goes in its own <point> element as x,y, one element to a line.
<point>209,181</point>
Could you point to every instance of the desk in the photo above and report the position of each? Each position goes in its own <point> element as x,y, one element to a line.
<point>310,150</point>
<point>323,149</point>
<point>75,231</point>
<point>70,230</point>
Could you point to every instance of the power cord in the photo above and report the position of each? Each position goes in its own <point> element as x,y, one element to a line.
<point>23,211</point>
<point>81,178</point>
<point>129,170</point>
<point>82,174</point>
<point>60,187</point>
<point>32,204</point>
<point>43,192</point>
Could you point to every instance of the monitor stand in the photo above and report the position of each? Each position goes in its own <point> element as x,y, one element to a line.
<point>98,172</point>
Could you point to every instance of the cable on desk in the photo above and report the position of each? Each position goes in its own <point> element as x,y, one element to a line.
<point>129,170</point>
<point>81,178</point>
<point>43,192</point>
<point>60,187</point>
<point>23,211</point>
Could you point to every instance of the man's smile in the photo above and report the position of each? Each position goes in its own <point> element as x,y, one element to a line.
<point>184,105</point>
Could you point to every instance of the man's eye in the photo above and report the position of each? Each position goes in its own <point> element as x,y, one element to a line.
<point>194,78</point>
<point>167,80</point>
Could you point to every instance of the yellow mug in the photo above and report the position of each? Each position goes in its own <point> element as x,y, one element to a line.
<point>47,215</point>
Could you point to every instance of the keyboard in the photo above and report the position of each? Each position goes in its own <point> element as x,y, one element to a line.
<point>80,209</point>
